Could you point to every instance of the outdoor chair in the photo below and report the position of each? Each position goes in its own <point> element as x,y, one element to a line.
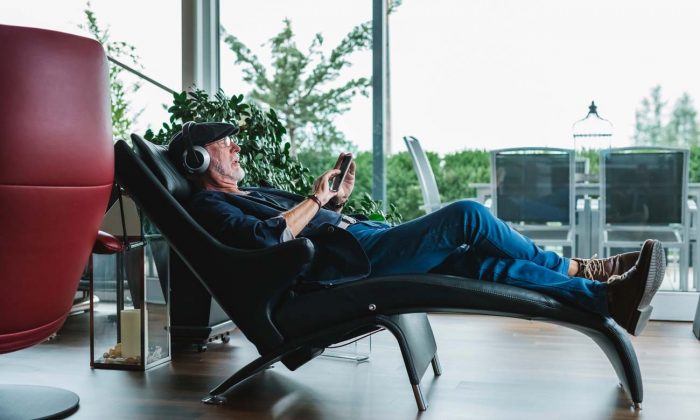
<point>293,322</point>
<point>56,174</point>
<point>644,195</point>
<point>533,190</point>
<point>426,177</point>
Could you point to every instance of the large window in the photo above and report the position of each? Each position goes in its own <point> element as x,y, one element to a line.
<point>256,23</point>
<point>486,74</point>
<point>495,74</point>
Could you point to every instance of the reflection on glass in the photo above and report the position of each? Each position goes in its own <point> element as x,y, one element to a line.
<point>533,188</point>
<point>157,285</point>
<point>645,198</point>
<point>644,188</point>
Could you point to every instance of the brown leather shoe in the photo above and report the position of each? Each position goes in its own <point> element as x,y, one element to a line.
<point>602,268</point>
<point>630,293</point>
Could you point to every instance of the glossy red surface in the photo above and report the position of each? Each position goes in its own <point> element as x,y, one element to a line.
<point>107,244</point>
<point>56,172</point>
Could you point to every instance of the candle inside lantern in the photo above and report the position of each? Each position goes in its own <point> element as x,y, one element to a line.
<point>131,332</point>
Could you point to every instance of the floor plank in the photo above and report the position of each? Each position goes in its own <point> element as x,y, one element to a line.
<point>493,368</point>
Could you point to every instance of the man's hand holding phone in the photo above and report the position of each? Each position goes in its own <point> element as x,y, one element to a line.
<point>344,182</point>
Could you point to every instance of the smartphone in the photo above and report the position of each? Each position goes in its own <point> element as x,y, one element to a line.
<point>344,165</point>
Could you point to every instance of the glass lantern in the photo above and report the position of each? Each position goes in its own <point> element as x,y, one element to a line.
<point>593,131</point>
<point>129,309</point>
<point>591,134</point>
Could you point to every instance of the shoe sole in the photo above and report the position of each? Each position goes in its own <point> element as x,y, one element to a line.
<point>656,261</point>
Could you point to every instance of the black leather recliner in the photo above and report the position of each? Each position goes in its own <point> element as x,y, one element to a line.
<point>258,289</point>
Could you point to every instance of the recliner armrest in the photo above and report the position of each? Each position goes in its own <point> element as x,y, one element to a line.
<point>249,284</point>
<point>280,264</point>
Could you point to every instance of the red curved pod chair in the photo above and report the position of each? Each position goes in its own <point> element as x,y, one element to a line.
<point>56,173</point>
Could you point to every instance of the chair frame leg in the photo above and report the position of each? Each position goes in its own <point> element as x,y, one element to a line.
<point>252,368</point>
<point>437,367</point>
<point>418,328</point>
<point>615,343</point>
<point>416,361</point>
<point>418,394</point>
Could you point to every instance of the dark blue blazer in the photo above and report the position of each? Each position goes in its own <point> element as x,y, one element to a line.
<point>248,222</point>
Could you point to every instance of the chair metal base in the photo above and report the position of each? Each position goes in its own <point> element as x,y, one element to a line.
<point>36,402</point>
<point>417,391</point>
<point>413,332</point>
<point>420,401</point>
<point>410,330</point>
<point>437,367</point>
<point>353,357</point>
<point>214,400</point>
<point>345,352</point>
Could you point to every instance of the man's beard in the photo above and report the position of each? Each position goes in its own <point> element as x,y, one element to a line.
<point>235,175</point>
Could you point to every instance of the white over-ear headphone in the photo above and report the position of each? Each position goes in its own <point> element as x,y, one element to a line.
<point>195,159</point>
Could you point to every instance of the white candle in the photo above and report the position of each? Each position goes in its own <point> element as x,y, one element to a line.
<point>131,332</point>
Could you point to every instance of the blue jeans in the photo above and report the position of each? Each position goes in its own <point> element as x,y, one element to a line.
<point>465,239</point>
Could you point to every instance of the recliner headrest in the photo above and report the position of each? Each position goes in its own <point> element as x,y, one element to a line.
<point>156,158</point>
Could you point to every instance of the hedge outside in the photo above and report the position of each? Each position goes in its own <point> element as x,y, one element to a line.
<point>453,173</point>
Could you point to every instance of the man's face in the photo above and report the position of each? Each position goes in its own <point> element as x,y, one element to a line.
<point>225,159</point>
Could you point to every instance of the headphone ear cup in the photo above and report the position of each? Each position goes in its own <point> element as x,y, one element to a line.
<point>192,164</point>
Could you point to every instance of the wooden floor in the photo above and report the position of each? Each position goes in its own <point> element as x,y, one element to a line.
<point>493,368</point>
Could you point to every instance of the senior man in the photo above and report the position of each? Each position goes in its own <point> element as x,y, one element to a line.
<point>461,239</point>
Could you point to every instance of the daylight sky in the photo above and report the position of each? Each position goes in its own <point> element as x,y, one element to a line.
<point>465,74</point>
